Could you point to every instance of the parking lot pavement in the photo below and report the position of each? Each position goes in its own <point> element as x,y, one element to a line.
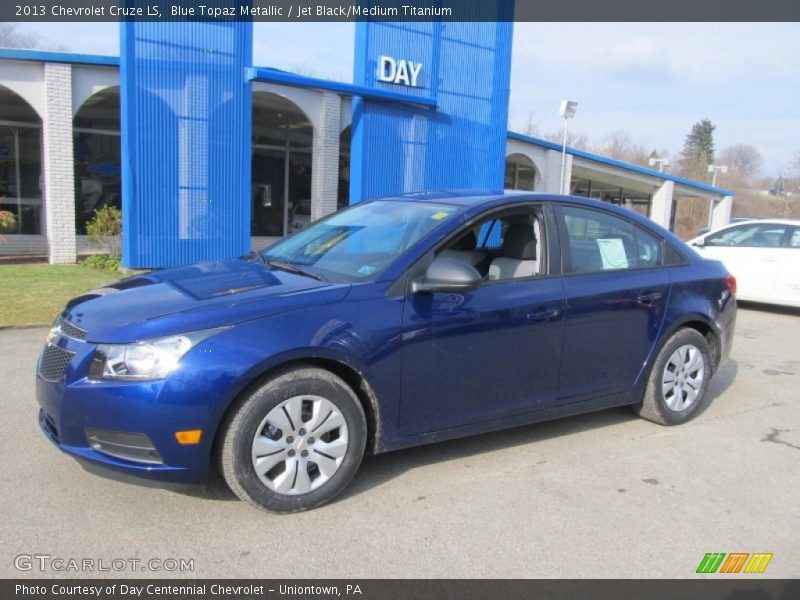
<point>602,495</point>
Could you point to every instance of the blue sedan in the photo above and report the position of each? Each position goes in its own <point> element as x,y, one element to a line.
<point>397,322</point>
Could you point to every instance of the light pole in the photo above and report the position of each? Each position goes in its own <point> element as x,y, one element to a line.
<point>714,169</point>
<point>661,163</point>
<point>567,111</point>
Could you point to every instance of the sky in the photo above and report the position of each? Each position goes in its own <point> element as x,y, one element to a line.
<point>653,80</point>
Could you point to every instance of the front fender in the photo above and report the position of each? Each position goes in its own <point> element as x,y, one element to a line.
<point>363,335</point>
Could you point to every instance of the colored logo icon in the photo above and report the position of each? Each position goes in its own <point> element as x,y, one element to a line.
<point>736,562</point>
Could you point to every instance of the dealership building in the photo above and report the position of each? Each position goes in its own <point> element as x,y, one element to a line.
<point>61,154</point>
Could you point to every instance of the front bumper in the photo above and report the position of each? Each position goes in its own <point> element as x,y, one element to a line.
<point>157,409</point>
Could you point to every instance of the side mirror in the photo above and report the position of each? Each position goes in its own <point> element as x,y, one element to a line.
<point>699,243</point>
<point>448,275</point>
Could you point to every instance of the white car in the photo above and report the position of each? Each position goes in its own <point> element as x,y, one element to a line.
<point>763,255</point>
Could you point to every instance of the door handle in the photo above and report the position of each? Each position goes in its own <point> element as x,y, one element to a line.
<point>543,314</point>
<point>649,298</point>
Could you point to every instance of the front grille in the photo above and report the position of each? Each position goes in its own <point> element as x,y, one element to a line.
<point>53,362</point>
<point>70,330</point>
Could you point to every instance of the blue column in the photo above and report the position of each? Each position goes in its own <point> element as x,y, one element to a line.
<point>461,144</point>
<point>186,141</point>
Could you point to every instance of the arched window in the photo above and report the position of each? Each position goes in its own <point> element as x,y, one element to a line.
<point>98,168</point>
<point>21,179</point>
<point>281,178</point>
<point>520,173</point>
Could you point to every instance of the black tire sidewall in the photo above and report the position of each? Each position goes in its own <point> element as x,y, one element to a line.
<point>263,400</point>
<point>681,338</point>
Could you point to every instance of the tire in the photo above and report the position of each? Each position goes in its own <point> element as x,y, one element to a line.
<point>674,399</point>
<point>295,442</point>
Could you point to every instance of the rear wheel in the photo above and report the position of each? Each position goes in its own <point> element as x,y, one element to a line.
<point>295,442</point>
<point>676,390</point>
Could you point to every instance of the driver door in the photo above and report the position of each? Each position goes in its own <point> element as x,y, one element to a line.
<point>489,353</point>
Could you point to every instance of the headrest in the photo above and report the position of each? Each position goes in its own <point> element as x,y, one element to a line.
<point>466,242</point>
<point>519,242</point>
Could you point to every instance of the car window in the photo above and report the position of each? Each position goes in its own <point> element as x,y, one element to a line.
<point>597,241</point>
<point>502,247</point>
<point>362,241</point>
<point>752,235</point>
<point>794,241</point>
<point>490,234</point>
<point>650,248</point>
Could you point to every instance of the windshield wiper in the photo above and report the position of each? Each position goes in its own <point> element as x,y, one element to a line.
<point>292,268</point>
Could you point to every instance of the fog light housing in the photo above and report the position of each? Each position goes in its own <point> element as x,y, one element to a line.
<point>135,447</point>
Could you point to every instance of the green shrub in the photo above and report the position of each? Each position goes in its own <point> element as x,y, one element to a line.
<point>105,230</point>
<point>103,262</point>
<point>8,222</point>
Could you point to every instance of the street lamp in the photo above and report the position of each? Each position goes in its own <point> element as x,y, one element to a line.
<point>661,163</point>
<point>567,111</point>
<point>714,169</point>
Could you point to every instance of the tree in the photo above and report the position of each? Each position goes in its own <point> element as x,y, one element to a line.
<point>744,163</point>
<point>12,37</point>
<point>574,140</point>
<point>532,126</point>
<point>621,146</point>
<point>698,150</point>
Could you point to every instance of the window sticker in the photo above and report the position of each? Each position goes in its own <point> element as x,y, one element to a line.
<point>366,270</point>
<point>439,215</point>
<point>612,251</point>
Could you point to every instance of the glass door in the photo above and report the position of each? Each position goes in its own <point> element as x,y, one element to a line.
<point>269,192</point>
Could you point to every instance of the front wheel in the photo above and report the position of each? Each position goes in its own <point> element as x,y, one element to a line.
<point>678,382</point>
<point>295,442</point>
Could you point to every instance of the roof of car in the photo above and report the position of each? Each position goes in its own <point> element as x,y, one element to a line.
<point>765,221</point>
<point>470,197</point>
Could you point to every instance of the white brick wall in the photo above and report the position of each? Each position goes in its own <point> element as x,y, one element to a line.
<point>721,212</point>
<point>325,160</point>
<point>661,206</point>
<point>58,163</point>
<point>552,172</point>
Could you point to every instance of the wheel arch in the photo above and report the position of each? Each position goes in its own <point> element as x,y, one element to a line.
<point>353,376</point>
<point>704,326</point>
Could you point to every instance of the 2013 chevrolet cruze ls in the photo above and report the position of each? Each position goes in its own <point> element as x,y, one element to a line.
<point>396,322</point>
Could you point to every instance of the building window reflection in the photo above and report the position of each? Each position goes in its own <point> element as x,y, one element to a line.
<point>281,175</point>
<point>637,201</point>
<point>98,169</point>
<point>520,173</point>
<point>20,163</point>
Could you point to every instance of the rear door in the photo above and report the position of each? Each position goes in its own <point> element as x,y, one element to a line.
<point>617,290</point>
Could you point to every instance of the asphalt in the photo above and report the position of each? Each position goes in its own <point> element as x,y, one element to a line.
<point>601,495</point>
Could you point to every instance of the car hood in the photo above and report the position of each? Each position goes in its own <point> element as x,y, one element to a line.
<point>201,296</point>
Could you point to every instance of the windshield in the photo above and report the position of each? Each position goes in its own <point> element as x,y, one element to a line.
<point>361,241</point>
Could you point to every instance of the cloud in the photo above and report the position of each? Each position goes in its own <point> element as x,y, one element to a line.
<point>657,79</point>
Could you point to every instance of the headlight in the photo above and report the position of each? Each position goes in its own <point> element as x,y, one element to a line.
<point>146,360</point>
